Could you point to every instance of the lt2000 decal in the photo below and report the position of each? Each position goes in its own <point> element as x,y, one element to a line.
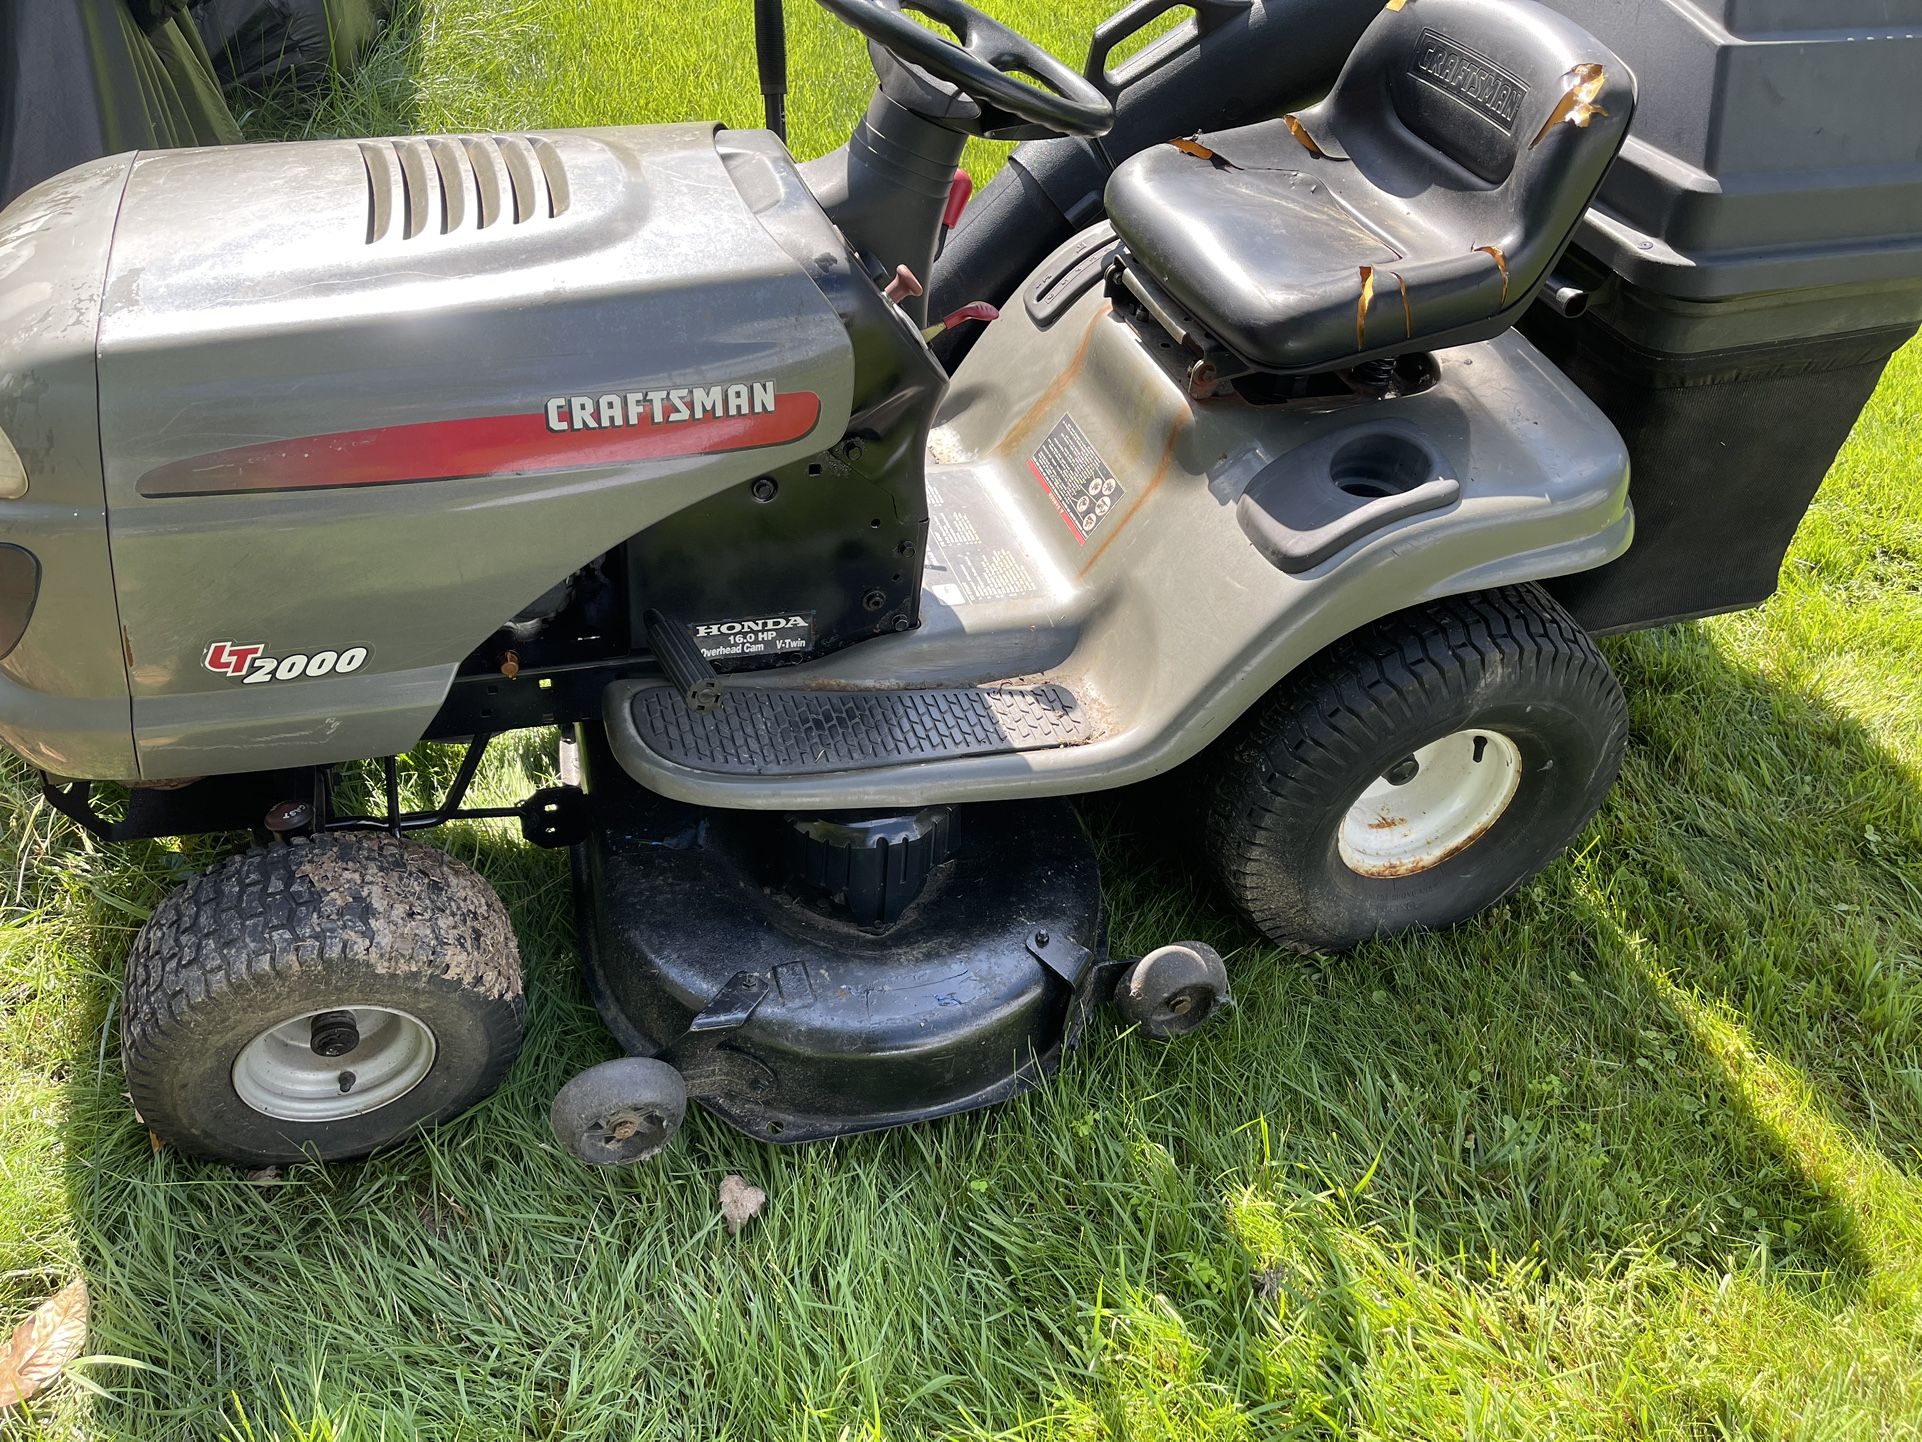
<point>249,663</point>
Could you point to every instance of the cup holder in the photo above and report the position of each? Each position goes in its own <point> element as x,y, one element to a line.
<point>1385,463</point>
<point>1315,502</point>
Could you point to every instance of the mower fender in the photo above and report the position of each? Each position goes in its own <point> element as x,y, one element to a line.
<point>1121,570</point>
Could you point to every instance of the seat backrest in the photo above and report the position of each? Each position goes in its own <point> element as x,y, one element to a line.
<point>1496,114</point>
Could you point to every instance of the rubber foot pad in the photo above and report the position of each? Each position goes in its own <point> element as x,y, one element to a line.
<point>800,733</point>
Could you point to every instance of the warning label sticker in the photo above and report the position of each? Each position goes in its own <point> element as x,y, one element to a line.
<point>754,636</point>
<point>971,559</point>
<point>1082,487</point>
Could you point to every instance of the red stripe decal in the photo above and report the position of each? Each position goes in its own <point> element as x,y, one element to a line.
<point>515,445</point>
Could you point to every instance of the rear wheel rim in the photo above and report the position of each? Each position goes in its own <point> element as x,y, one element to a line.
<point>280,1075</point>
<point>1459,787</point>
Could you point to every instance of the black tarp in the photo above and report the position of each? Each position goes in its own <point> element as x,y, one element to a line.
<point>84,78</point>
<point>256,43</point>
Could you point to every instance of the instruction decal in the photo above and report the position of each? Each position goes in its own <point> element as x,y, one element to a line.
<point>1075,477</point>
<point>973,557</point>
<point>783,635</point>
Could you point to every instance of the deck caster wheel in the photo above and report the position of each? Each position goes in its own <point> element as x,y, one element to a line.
<point>319,999</point>
<point>620,1112</point>
<point>1173,990</point>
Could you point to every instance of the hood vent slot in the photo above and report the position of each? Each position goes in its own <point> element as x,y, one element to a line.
<point>444,184</point>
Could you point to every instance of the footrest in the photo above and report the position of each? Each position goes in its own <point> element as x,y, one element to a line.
<point>762,732</point>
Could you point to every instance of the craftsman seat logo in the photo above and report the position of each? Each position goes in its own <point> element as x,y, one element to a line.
<point>672,405</point>
<point>1475,80</point>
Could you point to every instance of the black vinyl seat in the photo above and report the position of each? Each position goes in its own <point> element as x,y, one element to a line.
<point>1419,206</point>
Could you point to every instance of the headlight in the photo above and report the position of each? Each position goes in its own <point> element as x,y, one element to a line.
<point>13,475</point>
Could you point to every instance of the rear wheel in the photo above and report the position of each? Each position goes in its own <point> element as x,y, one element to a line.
<point>321,999</point>
<point>1416,772</point>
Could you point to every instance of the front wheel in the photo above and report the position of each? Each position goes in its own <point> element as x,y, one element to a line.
<point>1416,772</point>
<point>321,999</point>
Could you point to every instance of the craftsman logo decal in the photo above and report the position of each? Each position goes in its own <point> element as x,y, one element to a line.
<point>1475,80</point>
<point>1076,479</point>
<point>565,433</point>
<point>675,406</point>
<point>755,636</point>
<point>249,663</point>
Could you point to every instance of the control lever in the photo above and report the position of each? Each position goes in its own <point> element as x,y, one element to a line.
<point>690,673</point>
<point>974,310</point>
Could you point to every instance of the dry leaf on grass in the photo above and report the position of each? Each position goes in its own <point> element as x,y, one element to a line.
<point>741,1202</point>
<point>52,1337</point>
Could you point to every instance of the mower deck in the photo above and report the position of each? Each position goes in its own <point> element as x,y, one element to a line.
<point>708,947</point>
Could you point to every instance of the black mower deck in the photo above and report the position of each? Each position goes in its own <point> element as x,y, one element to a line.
<point>703,947</point>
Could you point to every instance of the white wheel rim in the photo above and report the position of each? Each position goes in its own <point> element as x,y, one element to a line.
<point>1461,786</point>
<point>280,1075</point>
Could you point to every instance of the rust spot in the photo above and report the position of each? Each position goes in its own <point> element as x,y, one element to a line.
<point>1389,871</point>
<point>126,646</point>
<point>1494,253</point>
<point>1163,465</point>
<point>1308,142</point>
<point>1045,403</point>
<point>1577,107</point>
<point>1387,823</point>
<point>1195,148</point>
<point>1361,309</point>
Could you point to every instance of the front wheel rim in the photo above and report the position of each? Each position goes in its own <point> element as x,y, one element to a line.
<point>280,1073</point>
<point>1411,821</point>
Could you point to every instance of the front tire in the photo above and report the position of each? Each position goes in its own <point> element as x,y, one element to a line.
<point>1417,772</point>
<point>321,999</point>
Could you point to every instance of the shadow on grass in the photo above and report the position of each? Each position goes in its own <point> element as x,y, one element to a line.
<point>1531,1095</point>
<point>1538,1083</point>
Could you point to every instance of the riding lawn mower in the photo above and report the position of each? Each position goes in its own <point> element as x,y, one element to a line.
<point>1270,416</point>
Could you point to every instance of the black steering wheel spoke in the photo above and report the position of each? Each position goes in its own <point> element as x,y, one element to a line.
<point>973,83</point>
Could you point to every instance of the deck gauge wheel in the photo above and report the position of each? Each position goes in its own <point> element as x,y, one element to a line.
<point>620,1112</point>
<point>1173,990</point>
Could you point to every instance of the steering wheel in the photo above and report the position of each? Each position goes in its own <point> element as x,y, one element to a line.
<point>980,68</point>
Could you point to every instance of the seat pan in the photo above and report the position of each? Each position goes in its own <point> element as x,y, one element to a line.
<point>1419,206</point>
<point>1267,260</point>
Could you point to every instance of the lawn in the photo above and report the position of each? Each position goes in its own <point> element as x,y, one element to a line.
<point>1637,1156</point>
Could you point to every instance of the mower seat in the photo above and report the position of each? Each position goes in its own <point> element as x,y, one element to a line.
<point>1419,206</point>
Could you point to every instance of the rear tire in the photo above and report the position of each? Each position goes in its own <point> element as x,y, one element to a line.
<point>1416,772</point>
<point>321,999</point>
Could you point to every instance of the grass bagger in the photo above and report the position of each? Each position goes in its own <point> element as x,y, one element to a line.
<point>1269,417</point>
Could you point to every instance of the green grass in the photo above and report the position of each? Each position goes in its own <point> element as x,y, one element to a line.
<point>1637,1156</point>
